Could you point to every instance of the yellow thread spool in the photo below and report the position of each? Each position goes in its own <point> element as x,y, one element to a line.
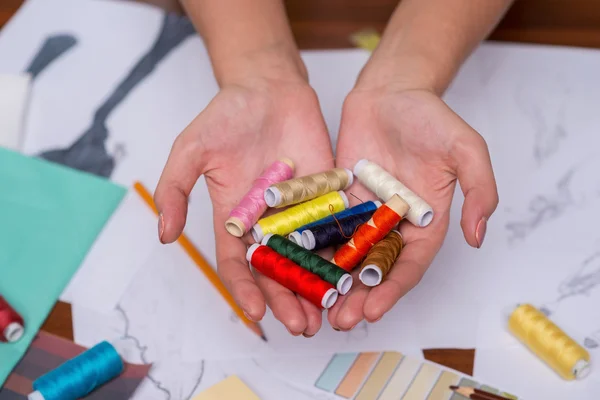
<point>550,343</point>
<point>293,218</point>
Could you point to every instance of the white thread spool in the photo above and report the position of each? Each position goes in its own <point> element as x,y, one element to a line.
<point>274,197</point>
<point>384,185</point>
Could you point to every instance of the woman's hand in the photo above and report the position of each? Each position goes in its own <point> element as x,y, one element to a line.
<point>424,144</point>
<point>243,130</point>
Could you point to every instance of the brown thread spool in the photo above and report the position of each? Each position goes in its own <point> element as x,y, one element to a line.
<point>381,258</point>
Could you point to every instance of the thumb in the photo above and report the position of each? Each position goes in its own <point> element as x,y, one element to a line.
<point>182,170</point>
<point>478,185</point>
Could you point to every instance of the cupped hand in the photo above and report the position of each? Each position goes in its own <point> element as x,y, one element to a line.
<point>242,131</point>
<point>417,138</point>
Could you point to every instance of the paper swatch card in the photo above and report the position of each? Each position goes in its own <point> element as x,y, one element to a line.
<point>228,389</point>
<point>50,217</point>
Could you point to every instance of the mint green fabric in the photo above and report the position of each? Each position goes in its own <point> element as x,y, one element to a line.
<point>50,216</point>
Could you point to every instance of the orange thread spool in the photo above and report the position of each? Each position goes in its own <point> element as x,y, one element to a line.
<point>381,223</point>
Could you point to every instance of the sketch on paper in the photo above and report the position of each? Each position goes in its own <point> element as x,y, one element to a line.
<point>543,208</point>
<point>546,113</point>
<point>52,49</point>
<point>582,282</point>
<point>592,341</point>
<point>88,153</point>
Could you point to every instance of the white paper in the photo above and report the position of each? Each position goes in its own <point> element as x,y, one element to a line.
<point>516,368</point>
<point>120,250</point>
<point>534,105</point>
<point>14,98</point>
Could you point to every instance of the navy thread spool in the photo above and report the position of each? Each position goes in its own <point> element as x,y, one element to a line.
<point>368,206</point>
<point>326,235</point>
<point>79,376</point>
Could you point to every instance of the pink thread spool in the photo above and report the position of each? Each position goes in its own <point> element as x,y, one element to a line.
<point>253,204</point>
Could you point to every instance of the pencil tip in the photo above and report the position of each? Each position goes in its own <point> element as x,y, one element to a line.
<point>263,337</point>
<point>452,387</point>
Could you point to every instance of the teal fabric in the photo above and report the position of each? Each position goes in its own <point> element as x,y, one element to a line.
<point>50,216</point>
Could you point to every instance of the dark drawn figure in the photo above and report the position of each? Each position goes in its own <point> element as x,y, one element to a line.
<point>592,341</point>
<point>581,283</point>
<point>52,49</point>
<point>88,153</point>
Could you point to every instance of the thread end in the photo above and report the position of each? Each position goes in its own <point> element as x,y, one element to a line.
<point>581,369</point>
<point>344,284</point>
<point>235,227</point>
<point>272,197</point>
<point>371,275</point>
<point>426,218</point>
<point>257,233</point>
<point>288,162</point>
<point>350,178</point>
<point>308,240</point>
<point>251,251</point>
<point>35,396</point>
<point>360,165</point>
<point>13,332</point>
<point>329,298</point>
<point>344,198</point>
<point>266,239</point>
<point>296,237</point>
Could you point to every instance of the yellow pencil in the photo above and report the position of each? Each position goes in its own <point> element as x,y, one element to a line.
<point>204,266</point>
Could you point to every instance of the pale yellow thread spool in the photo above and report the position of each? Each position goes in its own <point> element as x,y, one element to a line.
<point>298,190</point>
<point>293,218</point>
<point>550,343</point>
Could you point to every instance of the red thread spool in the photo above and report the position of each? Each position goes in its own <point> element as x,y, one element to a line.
<point>381,223</point>
<point>11,323</point>
<point>289,274</point>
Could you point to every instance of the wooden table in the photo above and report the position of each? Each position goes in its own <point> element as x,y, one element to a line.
<point>328,24</point>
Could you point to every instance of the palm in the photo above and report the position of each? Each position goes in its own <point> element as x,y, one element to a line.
<point>231,142</point>
<point>417,138</point>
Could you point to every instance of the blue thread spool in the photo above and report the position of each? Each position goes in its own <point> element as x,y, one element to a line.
<point>329,234</point>
<point>78,377</point>
<point>367,206</point>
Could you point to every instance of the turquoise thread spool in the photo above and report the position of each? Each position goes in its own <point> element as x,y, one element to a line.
<point>80,376</point>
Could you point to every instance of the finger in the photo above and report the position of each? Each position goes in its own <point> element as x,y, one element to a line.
<point>351,311</point>
<point>236,273</point>
<point>182,170</point>
<point>285,305</point>
<point>476,178</point>
<point>314,317</point>
<point>332,312</point>
<point>414,260</point>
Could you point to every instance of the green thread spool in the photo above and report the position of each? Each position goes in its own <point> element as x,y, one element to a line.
<point>326,270</point>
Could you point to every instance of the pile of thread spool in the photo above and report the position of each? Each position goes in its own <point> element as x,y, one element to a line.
<point>312,212</point>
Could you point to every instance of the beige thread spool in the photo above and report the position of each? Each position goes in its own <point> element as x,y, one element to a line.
<point>298,190</point>
<point>548,342</point>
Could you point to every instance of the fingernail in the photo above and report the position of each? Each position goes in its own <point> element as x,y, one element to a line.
<point>480,231</point>
<point>249,317</point>
<point>161,226</point>
<point>292,333</point>
<point>335,329</point>
<point>307,336</point>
